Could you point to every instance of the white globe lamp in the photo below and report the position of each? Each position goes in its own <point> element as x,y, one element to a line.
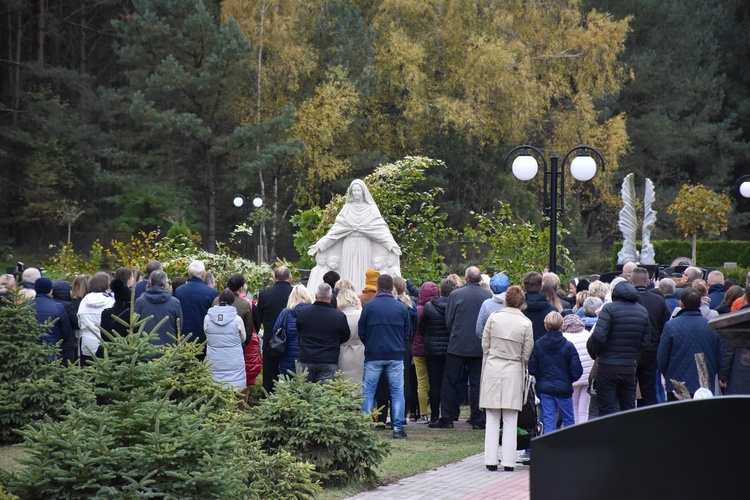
<point>583,167</point>
<point>525,167</point>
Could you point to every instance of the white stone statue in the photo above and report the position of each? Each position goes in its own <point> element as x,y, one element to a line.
<point>649,221</point>
<point>628,222</point>
<point>362,232</point>
<point>326,261</point>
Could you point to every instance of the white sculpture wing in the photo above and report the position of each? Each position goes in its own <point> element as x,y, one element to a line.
<point>628,221</point>
<point>649,221</point>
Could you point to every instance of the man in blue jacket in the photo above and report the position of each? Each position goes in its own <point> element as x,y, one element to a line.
<point>49,310</point>
<point>384,329</point>
<point>195,298</point>
<point>683,337</point>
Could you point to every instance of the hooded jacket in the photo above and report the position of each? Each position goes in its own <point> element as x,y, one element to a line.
<point>555,364</point>
<point>427,292</point>
<point>489,306</point>
<point>621,331</point>
<point>433,329</point>
<point>89,318</point>
<point>225,333</point>
<point>537,308</point>
<point>158,303</point>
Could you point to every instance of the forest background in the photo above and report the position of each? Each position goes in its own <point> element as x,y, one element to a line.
<point>120,116</point>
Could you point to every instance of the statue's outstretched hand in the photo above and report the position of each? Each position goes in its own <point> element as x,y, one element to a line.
<point>396,250</point>
<point>313,250</point>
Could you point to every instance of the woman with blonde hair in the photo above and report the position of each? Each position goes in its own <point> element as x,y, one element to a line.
<point>352,354</point>
<point>552,297</point>
<point>298,299</point>
<point>507,342</point>
<point>598,289</point>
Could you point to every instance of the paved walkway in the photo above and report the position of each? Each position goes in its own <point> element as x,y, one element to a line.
<point>468,479</point>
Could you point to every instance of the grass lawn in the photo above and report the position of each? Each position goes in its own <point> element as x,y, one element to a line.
<point>424,449</point>
<point>10,455</point>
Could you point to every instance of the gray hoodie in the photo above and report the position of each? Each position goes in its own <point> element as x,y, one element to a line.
<point>157,303</point>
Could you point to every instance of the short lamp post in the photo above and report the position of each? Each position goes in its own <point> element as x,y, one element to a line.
<point>241,200</point>
<point>582,167</point>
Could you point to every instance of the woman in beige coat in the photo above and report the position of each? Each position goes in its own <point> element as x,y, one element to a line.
<point>507,342</point>
<point>352,354</point>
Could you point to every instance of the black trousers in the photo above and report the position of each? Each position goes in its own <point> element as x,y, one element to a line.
<point>453,365</point>
<point>646,374</point>
<point>615,392</point>
<point>270,371</point>
<point>435,369</point>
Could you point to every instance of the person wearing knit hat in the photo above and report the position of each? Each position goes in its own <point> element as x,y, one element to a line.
<point>574,330</point>
<point>499,283</point>
<point>371,286</point>
<point>51,314</point>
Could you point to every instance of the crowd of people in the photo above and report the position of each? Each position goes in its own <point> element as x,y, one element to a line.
<point>592,350</point>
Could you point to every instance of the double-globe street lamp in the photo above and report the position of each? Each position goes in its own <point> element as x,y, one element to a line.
<point>256,201</point>
<point>582,167</point>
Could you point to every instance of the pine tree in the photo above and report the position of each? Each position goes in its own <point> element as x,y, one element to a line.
<point>33,383</point>
<point>163,428</point>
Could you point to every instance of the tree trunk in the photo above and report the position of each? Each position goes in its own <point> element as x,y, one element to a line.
<point>17,82</point>
<point>695,263</point>
<point>211,243</point>
<point>41,32</point>
<point>82,53</point>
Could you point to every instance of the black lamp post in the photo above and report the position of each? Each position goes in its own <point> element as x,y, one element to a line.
<point>582,167</point>
<point>241,200</point>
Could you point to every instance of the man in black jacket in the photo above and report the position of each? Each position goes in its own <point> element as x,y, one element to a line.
<point>321,330</point>
<point>464,348</point>
<point>658,314</point>
<point>537,305</point>
<point>270,304</point>
<point>621,332</point>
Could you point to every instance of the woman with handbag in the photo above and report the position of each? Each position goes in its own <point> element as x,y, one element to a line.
<point>287,320</point>
<point>507,342</point>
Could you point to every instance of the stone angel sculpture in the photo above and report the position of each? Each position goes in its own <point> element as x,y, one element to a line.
<point>649,221</point>
<point>628,222</point>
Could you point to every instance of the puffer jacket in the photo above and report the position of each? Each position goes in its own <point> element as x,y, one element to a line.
<point>621,331</point>
<point>253,360</point>
<point>427,292</point>
<point>287,362</point>
<point>433,328</point>
<point>555,364</point>
<point>579,341</point>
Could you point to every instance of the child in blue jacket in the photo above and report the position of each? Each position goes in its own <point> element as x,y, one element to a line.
<point>555,365</point>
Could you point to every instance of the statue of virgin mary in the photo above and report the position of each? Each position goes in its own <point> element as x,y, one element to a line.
<point>362,232</point>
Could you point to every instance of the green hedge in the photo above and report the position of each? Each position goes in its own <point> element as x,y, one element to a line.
<point>710,253</point>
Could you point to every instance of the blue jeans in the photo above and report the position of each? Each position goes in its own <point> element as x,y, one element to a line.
<point>550,406</point>
<point>394,371</point>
